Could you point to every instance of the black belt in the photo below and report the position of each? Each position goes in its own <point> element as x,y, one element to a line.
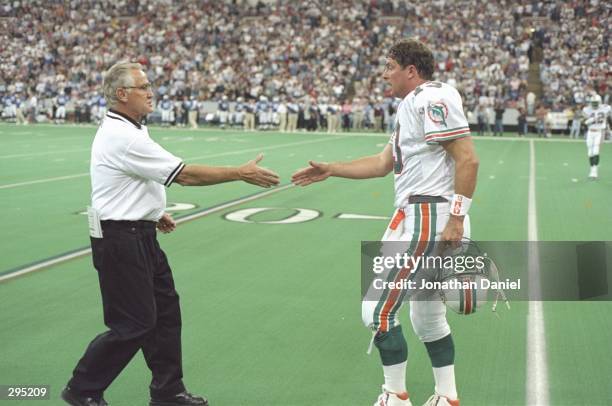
<point>415,199</point>
<point>138,224</point>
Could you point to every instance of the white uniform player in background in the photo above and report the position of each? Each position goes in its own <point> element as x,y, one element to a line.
<point>166,108</point>
<point>60,112</point>
<point>432,156</point>
<point>596,117</point>
<point>223,111</point>
<point>101,108</point>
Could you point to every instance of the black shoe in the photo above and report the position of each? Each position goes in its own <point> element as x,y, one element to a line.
<point>74,399</point>
<point>182,399</point>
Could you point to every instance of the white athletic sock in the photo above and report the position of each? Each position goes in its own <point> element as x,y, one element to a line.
<point>395,377</point>
<point>445,381</point>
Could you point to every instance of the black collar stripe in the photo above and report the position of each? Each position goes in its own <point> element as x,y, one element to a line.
<point>123,116</point>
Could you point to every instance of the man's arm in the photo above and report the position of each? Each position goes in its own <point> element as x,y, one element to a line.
<point>374,166</point>
<point>250,172</point>
<point>466,171</point>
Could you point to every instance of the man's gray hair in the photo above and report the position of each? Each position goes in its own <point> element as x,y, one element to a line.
<point>119,75</point>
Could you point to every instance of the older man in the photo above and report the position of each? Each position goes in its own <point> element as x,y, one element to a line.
<point>129,173</point>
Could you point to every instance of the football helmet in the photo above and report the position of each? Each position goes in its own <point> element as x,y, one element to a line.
<point>464,289</point>
<point>595,100</point>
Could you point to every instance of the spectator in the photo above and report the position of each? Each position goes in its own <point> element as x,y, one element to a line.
<point>541,123</point>
<point>522,123</point>
<point>211,48</point>
<point>499,116</point>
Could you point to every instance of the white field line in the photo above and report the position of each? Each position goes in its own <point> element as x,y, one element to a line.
<point>260,149</point>
<point>537,392</point>
<point>45,180</point>
<point>87,251</point>
<point>158,131</point>
<point>44,153</point>
<point>45,264</point>
<point>237,152</point>
<point>171,140</point>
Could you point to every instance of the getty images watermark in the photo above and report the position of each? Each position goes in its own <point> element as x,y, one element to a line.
<point>525,270</point>
<point>439,268</point>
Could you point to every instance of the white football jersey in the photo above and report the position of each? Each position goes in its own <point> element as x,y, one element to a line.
<point>430,114</point>
<point>596,119</point>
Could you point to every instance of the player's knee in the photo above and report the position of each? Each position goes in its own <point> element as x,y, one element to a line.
<point>367,313</point>
<point>427,332</point>
<point>441,352</point>
<point>392,346</point>
<point>429,320</point>
<point>134,330</point>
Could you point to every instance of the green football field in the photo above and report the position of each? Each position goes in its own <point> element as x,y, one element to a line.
<point>271,298</point>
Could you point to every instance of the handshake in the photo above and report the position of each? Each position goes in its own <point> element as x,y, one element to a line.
<point>254,174</point>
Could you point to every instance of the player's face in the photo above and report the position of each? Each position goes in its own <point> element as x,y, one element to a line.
<point>140,97</point>
<point>398,77</point>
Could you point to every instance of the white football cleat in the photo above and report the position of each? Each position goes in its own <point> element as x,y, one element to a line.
<point>593,173</point>
<point>437,400</point>
<point>388,398</point>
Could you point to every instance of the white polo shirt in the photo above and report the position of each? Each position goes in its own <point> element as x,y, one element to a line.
<point>129,171</point>
<point>430,114</point>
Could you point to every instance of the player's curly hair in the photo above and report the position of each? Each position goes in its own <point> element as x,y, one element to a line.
<point>412,52</point>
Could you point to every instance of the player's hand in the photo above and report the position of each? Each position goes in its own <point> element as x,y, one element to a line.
<point>251,173</point>
<point>453,232</point>
<point>166,224</point>
<point>316,172</point>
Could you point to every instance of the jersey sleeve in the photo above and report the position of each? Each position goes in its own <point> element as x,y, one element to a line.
<point>444,119</point>
<point>147,159</point>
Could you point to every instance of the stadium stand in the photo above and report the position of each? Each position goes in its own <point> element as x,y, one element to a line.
<point>325,54</point>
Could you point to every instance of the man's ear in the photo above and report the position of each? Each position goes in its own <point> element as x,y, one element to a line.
<point>410,71</point>
<point>121,94</point>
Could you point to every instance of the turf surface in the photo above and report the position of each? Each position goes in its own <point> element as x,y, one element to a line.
<point>271,312</point>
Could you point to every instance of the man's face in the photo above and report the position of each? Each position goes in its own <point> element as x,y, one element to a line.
<point>399,78</point>
<point>140,94</point>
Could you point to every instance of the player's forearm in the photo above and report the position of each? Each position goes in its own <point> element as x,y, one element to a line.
<point>202,175</point>
<point>466,173</point>
<point>362,168</point>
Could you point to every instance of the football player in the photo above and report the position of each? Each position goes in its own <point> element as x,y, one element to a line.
<point>596,115</point>
<point>166,108</point>
<point>223,112</point>
<point>60,112</point>
<point>435,166</point>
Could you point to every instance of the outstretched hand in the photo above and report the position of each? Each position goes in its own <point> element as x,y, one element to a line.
<point>316,172</point>
<point>251,173</point>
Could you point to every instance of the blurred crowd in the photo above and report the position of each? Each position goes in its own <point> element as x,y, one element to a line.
<point>575,39</point>
<point>307,53</point>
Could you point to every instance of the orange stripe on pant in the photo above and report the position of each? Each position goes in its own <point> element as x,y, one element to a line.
<point>403,273</point>
<point>397,219</point>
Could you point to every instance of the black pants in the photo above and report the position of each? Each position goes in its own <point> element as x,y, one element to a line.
<point>141,309</point>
